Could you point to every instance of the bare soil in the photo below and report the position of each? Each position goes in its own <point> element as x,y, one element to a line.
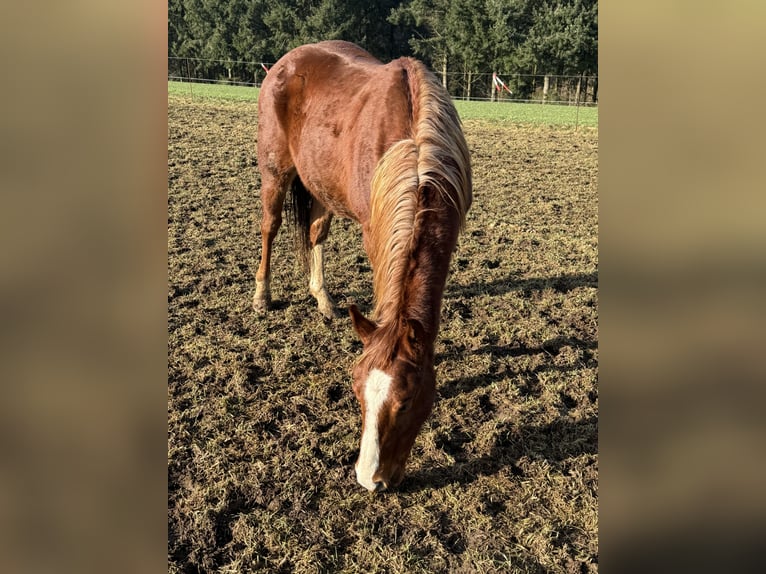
<point>263,428</point>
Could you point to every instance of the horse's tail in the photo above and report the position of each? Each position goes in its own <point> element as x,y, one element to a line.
<point>300,210</point>
<point>434,159</point>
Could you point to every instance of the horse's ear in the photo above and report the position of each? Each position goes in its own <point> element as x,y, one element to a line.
<point>362,325</point>
<point>415,337</point>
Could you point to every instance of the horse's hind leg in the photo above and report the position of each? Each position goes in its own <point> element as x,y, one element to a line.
<point>320,227</point>
<point>274,186</point>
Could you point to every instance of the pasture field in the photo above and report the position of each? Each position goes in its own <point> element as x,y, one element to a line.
<point>515,112</point>
<point>263,427</point>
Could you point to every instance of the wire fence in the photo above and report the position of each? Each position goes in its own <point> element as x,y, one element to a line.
<point>579,90</point>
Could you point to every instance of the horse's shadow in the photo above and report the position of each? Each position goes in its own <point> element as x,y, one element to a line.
<point>550,347</point>
<point>560,283</point>
<point>555,443</point>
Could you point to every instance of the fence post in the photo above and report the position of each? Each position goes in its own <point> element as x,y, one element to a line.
<point>188,74</point>
<point>577,116</point>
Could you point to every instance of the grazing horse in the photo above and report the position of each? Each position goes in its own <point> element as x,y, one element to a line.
<point>382,145</point>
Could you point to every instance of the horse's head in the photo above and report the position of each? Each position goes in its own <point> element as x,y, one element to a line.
<point>395,384</point>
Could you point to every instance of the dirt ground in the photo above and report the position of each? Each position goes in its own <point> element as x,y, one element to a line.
<point>263,427</point>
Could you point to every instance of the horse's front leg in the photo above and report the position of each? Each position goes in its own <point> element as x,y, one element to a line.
<point>320,227</point>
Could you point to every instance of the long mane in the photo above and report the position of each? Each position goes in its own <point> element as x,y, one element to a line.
<point>434,159</point>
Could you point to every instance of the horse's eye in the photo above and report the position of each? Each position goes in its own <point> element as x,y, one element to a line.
<point>404,407</point>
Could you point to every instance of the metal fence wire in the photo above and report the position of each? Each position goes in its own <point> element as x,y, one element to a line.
<point>578,90</point>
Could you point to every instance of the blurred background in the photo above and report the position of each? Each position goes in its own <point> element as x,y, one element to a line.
<point>83,281</point>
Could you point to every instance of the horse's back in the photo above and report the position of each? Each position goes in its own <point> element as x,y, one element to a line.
<point>334,110</point>
<point>314,63</point>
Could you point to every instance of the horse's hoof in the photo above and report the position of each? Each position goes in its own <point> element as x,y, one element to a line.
<point>328,313</point>
<point>325,304</point>
<point>327,307</point>
<point>261,307</point>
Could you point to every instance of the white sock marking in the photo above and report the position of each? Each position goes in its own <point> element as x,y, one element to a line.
<point>375,393</point>
<point>316,266</point>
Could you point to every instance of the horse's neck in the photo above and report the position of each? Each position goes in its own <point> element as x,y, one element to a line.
<point>413,288</point>
<point>421,301</point>
<point>425,288</point>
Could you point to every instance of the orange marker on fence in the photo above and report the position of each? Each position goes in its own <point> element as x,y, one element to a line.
<point>499,84</point>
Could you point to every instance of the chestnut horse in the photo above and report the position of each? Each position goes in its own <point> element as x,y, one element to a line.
<point>382,145</point>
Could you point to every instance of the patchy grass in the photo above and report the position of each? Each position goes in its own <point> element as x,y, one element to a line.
<point>263,428</point>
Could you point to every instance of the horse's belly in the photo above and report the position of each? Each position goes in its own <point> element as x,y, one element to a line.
<point>330,182</point>
<point>332,195</point>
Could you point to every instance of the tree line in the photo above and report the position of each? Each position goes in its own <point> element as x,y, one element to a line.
<point>532,42</point>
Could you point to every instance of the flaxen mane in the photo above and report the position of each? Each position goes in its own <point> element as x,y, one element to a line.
<point>436,157</point>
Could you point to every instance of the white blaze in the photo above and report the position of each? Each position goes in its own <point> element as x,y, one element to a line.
<point>375,394</point>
